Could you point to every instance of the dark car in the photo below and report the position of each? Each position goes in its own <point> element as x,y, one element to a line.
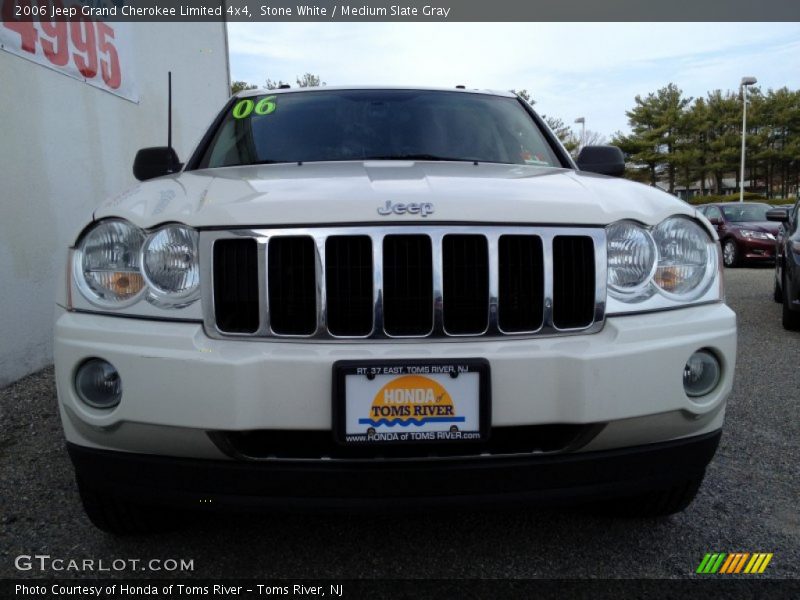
<point>787,263</point>
<point>744,231</point>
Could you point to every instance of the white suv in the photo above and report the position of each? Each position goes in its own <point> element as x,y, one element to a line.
<point>395,296</point>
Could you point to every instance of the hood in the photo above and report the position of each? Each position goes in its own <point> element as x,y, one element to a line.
<point>352,192</point>
<point>765,226</point>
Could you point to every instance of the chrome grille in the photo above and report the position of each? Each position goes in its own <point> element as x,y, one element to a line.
<point>403,282</point>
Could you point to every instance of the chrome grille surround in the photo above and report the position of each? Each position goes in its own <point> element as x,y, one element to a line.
<point>376,233</point>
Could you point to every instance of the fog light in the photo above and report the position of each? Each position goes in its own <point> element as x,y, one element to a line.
<point>98,384</point>
<point>701,374</point>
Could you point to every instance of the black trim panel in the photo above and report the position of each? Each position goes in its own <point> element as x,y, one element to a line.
<point>359,484</point>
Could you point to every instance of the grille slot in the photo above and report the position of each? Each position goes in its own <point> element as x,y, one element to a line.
<point>521,283</point>
<point>315,444</point>
<point>465,270</point>
<point>236,285</point>
<point>573,281</point>
<point>292,284</point>
<point>407,285</point>
<point>348,282</point>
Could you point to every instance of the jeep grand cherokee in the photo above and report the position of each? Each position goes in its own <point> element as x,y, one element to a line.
<point>358,297</point>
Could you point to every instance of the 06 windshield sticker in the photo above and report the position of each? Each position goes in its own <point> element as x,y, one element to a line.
<point>244,108</point>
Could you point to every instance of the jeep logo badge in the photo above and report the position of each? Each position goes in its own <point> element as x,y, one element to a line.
<point>414,208</point>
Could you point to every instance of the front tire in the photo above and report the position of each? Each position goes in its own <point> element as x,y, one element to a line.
<point>777,293</point>
<point>791,318</point>
<point>657,503</point>
<point>730,253</point>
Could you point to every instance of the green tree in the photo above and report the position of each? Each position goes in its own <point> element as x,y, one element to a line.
<point>675,140</point>
<point>773,140</point>
<point>723,134</point>
<point>657,122</point>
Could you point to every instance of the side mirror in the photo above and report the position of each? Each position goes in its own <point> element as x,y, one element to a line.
<point>605,160</point>
<point>716,221</point>
<point>155,162</point>
<point>778,214</point>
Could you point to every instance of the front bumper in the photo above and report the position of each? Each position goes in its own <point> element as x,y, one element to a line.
<point>178,384</point>
<point>757,250</point>
<point>204,484</point>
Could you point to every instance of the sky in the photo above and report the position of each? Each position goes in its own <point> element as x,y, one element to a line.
<point>590,70</point>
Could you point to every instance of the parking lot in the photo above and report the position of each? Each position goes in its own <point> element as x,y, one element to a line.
<point>748,503</point>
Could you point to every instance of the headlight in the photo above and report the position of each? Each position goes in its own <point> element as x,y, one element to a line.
<point>666,266</point>
<point>756,235</point>
<point>686,259</point>
<point>170,265</point>
<point>631,261</point>
<point>106,268</point>
<point>117,265</point>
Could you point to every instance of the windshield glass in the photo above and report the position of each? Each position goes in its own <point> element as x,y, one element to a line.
<point>741,213</point>
<point>340,125</point>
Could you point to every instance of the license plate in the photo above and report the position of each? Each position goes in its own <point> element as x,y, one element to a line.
<point>406,402</point>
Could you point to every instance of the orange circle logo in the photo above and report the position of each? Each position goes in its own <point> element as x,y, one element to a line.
<point>411,400</point>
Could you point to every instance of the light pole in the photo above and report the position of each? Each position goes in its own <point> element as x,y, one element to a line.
<point>582,121</point>
<point>743,85</point>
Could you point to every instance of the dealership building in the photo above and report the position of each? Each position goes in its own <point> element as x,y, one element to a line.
<point>77,101</point>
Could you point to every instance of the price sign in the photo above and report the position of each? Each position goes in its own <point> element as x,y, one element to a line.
<point>90,50</point>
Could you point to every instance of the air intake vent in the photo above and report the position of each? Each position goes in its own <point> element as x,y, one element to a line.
<point>407,285</point>
<point>348,282</point>
<point>573,281</point>
<point>465,267</point>
<point>521,283</point>
<point>292,285</point>
<point>236,285</point>
<point>318,444</point>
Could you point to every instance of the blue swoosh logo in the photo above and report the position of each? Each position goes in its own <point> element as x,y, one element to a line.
<point>407,422</point>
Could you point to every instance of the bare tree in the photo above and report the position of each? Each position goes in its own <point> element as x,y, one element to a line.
<point>307,80</point>
<point>525,95</point>
<point>274,85</point>
<point>594,138</point>
<point>564,133</point>
<point>238,86</point>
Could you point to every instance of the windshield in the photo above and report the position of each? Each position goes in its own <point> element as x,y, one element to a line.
<point>741,213</point>
<point>340,125</point>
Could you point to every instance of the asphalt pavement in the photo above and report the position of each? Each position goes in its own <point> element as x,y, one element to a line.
<point>748,503</point>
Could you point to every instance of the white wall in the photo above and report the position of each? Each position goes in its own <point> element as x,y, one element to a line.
<point>66,146</point>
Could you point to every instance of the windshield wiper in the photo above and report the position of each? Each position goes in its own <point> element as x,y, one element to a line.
<point>417,157</point>
<point>271,162</point>
<point>430,157</point>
